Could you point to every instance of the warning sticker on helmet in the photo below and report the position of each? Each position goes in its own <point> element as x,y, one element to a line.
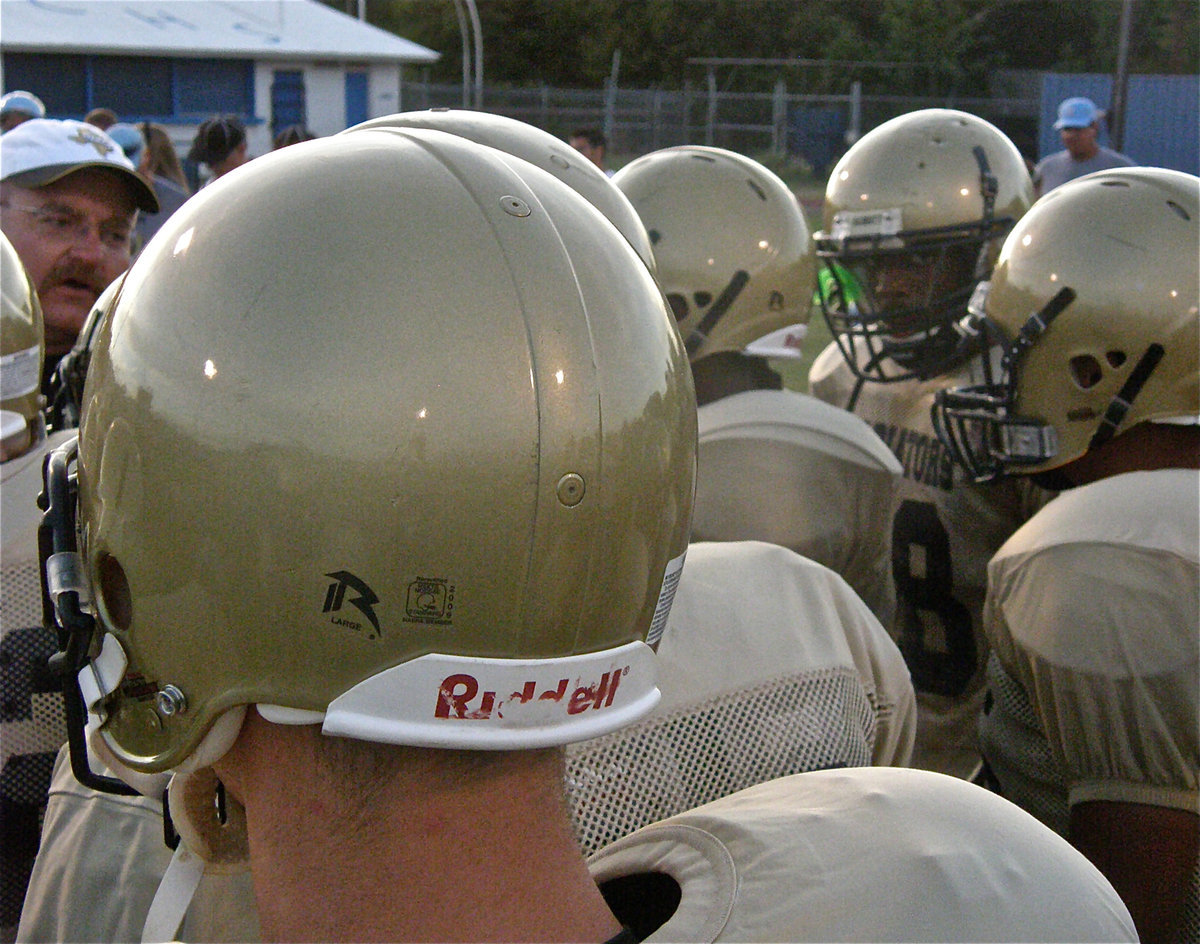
<point>21,373</point>
<point>858,224</point>
<point>666,597</point>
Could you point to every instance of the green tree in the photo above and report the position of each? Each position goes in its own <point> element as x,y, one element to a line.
<point>954,45</point>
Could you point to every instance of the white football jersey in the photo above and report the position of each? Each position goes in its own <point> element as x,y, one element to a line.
<point>1094,619</point>
<point>944,530</point>
<point>782,467</point>
<point>867,854</point>
<point>770,665</point>
<point>33,725</point>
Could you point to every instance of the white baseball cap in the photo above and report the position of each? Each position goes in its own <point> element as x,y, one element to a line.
<point>24,102</point>
<point>43,150</point>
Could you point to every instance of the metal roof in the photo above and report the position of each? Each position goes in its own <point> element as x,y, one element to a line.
<point>259,29</point>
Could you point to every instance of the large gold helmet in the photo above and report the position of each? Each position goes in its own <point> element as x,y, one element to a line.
<point>388,431</point>
<point>915,213</point>
<point>732,248</point>
<point>22,356</point>
<point>538,147</point>
<point>1095,300</point>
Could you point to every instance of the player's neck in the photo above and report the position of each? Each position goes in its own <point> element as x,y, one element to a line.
<point>725,373</point>
<point>1144,448</point>
<point>488,857</point>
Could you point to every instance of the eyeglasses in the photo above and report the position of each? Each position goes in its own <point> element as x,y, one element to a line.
<point>64,226</point>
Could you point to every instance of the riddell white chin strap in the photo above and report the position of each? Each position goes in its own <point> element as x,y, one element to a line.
<point>173,897</point>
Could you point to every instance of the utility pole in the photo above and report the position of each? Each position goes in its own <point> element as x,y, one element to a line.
<point>477,29</point>
<point>1116,116</point>
<point>466,53</point>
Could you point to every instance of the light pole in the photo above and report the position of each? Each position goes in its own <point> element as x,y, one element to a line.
<point>477,29</point>
<point>466,53</point>
<point>471,98</point>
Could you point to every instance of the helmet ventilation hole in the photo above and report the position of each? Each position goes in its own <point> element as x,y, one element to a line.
<point>1086,371</point>
<point>679,305</point>
<point>114,593</point>
<point>1115,358</point>
<point>702,299</point>
<point>1178,210</point>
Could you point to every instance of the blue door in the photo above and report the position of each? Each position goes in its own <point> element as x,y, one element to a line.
<point>356,98</point>
<point>287,100</point>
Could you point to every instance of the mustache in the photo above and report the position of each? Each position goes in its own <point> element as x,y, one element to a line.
<point>77,271</point>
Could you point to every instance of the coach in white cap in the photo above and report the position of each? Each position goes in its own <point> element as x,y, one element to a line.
<point>68,203</point>
<point>1078,126</point>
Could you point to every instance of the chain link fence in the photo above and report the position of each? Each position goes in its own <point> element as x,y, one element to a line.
<point>815,129</point>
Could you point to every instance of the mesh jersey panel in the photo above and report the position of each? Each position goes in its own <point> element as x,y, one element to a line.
<point>32,727</point>
<point>677,761</point>
<point>1016,749</point>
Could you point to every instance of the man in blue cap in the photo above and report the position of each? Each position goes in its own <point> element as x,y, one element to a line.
<point>1078,126</point>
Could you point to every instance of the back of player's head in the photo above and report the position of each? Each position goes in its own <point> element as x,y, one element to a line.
<point>538,147</point>
<point>1094,298</point>
<point>732,248</point>
<point>389,432</point>
<point>936,188</point>
<point>24,350</point>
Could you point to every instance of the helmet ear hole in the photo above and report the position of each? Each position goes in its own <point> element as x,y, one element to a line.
<point>1086,371</point>
<point>679,306</point>
<point>114,593</point>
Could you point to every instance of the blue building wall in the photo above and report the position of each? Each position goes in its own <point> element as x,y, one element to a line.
<point>1162,116</point>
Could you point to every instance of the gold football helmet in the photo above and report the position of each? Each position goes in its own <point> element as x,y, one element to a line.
<point>1094,299</point>
<point>733,250</point>
<point>538,147</point>
<point>914,216</point>
<point>390,432</point>
<point>24,350</point>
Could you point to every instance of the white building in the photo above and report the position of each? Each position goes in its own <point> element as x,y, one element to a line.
<point>273,63</point>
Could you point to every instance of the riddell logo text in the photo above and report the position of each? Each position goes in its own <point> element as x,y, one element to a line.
<point>457,696</point>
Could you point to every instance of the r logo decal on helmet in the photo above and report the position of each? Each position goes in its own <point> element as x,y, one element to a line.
<point>362,597</point>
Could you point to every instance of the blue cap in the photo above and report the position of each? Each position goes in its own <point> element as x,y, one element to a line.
<point>129,139</point>
<point>1076,113</point>
<point>24,102</point>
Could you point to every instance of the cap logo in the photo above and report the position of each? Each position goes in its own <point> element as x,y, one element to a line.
<point>87,136</point>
